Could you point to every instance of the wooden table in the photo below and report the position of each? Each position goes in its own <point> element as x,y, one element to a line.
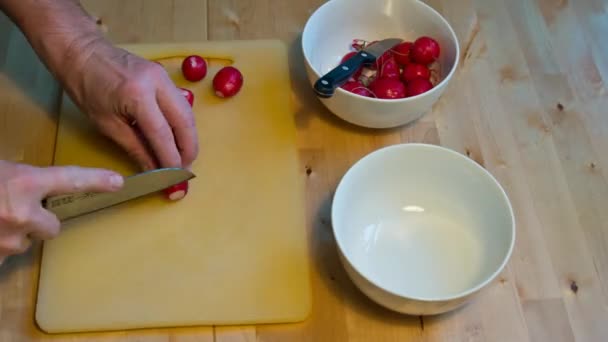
<point>526,103</point>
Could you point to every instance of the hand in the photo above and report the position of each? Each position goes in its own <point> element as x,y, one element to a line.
<point>134,102</point>
<point>22,189</point>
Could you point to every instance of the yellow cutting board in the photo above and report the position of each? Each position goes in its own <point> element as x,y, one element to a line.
<point>234,251</point>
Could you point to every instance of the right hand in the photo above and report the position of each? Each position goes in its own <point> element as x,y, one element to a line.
<point>22,189</point>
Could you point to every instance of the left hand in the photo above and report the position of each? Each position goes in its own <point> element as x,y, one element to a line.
<point>134,102</point>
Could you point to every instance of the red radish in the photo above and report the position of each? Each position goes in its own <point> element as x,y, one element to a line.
<point>350,85</point>
<point>188,95</point>
<point>384,58</point>
<point>194,68</point>
<point>387,88</point>
<point>389,69</point>
<point>357,88</point>
<point>413,70</point>
<point>227,82</point>
<point>418,86</point>
<point>425,50</point>
<point>401,52</point>
<point>177,191</point>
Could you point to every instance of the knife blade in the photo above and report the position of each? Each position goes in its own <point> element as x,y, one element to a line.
<point>377,49</point>
<point>72,205</point>
<point>327,84</point>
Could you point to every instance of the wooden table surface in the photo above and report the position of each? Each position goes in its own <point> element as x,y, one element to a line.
<point>526,103</point>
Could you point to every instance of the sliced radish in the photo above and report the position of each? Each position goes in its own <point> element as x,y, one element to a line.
<point>227,82</point>
<point>177,191</point>
<point>188,95</point>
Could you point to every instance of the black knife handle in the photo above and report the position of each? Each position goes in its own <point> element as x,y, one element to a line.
<point>326,85</point>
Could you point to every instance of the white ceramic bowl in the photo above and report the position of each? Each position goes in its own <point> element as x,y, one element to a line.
<point>421,228</point>
<point>332,27</point>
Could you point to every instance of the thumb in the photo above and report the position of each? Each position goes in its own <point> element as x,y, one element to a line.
<point>58,180</point>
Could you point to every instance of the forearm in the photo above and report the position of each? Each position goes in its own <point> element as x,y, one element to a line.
<point>60,31</point>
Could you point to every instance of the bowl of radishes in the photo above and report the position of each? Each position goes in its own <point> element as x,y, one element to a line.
<point>401,85</point>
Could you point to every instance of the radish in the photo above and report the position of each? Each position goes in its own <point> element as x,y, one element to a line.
<point>413,70</point>
<point>177,191</point>
<point>384,58</point>
<point>425,50</point>
<point>194,68</point>
<point>387,88</point>
<point>401,52</point>
<point>381,60</point>
<point>188,95</point>
<point>418,86</point>
<point>389,69</point>
<point>357,88</point>
<point>227,82</point>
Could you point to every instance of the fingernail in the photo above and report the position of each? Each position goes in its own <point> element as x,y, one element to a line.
<point>116,181</point>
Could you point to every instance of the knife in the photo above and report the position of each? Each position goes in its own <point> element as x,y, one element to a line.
<point>76,204</point>
<point>326,85</point>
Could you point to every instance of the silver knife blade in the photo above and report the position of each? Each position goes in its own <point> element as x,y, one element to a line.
<point>378,48</point>
<point>73,205</point>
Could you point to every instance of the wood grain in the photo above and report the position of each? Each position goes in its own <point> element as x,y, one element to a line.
<point>528,103</point>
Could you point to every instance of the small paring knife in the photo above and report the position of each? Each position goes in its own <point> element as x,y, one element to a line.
<point>77,204</point>
<point>326,85</point>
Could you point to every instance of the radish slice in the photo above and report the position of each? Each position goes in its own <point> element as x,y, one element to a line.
<point>177,191</point>
<point>188,95</point>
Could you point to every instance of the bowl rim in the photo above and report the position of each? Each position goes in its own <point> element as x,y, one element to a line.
<point>439,85</point>
<point>486,173</point>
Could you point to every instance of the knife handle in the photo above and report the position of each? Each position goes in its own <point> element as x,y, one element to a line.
<point>326,85</point>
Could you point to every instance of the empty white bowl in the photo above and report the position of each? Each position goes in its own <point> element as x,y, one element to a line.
<point>421,228</point>
<point>331,29</point>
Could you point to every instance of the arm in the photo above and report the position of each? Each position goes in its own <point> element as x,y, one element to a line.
<point>60,31</point>
<point>112,86</point>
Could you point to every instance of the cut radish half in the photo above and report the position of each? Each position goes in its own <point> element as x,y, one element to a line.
<point>177,191</point>
<point>188,95</point>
